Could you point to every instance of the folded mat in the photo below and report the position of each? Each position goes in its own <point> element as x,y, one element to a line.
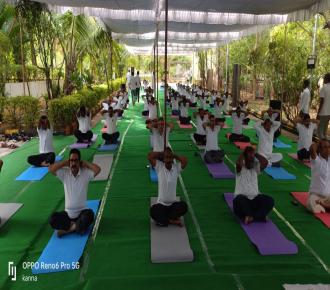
<point>302,197</point>
<point>218,170</point>
<point>153,174</point>
<point>265,235</point>
<point>201,147</point>
<point>305,161</point>
<point>7,210</point>
<point>306,286</point>
<point>279,173</point>
<point>105,162</point>
<point>110,147</point>
<point>63,254</point>
<point>84,145</point>
<point>280,144</point>
<point>169,244</point>
<point>184,126</point>
<point>35,173</point>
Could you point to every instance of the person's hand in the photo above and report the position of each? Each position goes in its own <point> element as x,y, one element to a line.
<point>83,164</point>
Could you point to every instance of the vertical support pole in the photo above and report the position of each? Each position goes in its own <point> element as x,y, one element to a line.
<point>227,65</point>
<point>236,84</point>
<point>165,68</point>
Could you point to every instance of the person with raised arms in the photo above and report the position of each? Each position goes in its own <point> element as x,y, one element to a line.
<point>112,134</point>
<point>152,108</point>
<point>201,117</point>
<point>75,175</point>
<point>184,111</point>
<point>238,117</point>
<point>158,131</point>
<point>167,210</point>
<point>84,133</point>
<point>218,110</point>
<point>273,115</point>
<point>249,204</point>
<point>46,154</point>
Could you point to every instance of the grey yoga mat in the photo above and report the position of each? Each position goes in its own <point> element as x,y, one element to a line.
<point>7,210</point>
<point>105,162</point>
<point>169,244</point>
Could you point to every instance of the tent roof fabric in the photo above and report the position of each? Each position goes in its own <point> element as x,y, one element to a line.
<point>135,22</point>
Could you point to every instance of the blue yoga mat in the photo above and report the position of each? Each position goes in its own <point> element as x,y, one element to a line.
<point>35,173</point>
<point>62,254</point>
<point>279,173</point>
<point>280,144</point>
<point>153,174</point>
<point>111,147</point>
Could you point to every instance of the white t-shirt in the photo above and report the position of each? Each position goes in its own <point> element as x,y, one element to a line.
<point>84,124</point>
<point>175,103</point>
<point>145,104</point>
<point>272,118</point>
<point>202,102</point>
<point>138,81</point>
<point>45,140</point>
<point>212,138</point>
<point>152,108</point>
<point>199,124</point>
<point>184,110</point>
<point>305,139</point>
<point>111,122</point>
<point>132,83</point>
<point>158,139</point>
<point>119,104</point>
<point>75,189</point>
<point>167,180</point>
<point>320,176</point>
<point>218,110</point>
<point>325,95</point>
<point>304,100</point>
<point>226,103</point>
<point>247,181</point>
<point>266,139</point>
<point>238,123</point>
<point>193,98</point>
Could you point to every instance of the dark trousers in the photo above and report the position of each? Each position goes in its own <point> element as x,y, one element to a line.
<point>110,138</point>
<point>200,139</point>
<point>214,156</point>
<point>303,154</point>
<point>162,214</point>
<point>258,208</point>
<point>277,134</point>
<point>238,138</point>
<point>62,221</point>
<point>36,160</point>
<point>83,137</point>
<point>145,113</point>
<point>175,112</point>
<point>184,120</point>
<point>246,121</point>
<point>222,120</point>
<point>137,94</point>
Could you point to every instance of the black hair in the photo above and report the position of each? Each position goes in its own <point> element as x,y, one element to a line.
<point>306,116</point>
<point>327,78</point>
<point>75,151</point>
<point>306,83</point>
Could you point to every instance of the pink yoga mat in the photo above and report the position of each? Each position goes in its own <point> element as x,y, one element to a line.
<point>243,145</point>
<point>302,197</point>
<point>306,162</point>
<point>189,126</point>
<point>265,235</point>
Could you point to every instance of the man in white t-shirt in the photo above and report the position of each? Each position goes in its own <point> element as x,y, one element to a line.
<point>266,132</point>
<point>305,127</point>
<point>157,132</point>
<point>84,133</point>
<point>132,86</point>
<point>175,104</point>
<point>184,111</point>
<point>112,134</point>
<point>305,98</point>
<point>213,154</point>
<point>201,117</point>
<point>319,189</point>
<point>152,108</point>
<point>273,115</point>
<point>249,204</point>
<point>219,110</point>
<point>238,117</point>
<point>167,210</point>
<point>75,175</point>
<point>324,109</point>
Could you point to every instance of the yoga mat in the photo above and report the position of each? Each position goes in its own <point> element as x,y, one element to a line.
<point>218,170</point>
<point>105,162</point>
<point>7,210</point>
<point>302,197</point>
<point>35,173</point>
<point>169,244</point>
<point>306,286</point>
<point>306,162</point>
<point>279,173</point>
<point>175,116</point>
<point>265,235</point>
<point>201,147</point>
<point>280,144</point>
<point>65,251</point>
<point>153,174</point>
<point>104,130</point>
<point>243,145</point>
<point>110,147</point>
<point>83,145</point>
<point>189,126</point>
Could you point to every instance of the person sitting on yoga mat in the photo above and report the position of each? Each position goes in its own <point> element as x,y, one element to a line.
<point>75,175</point>
<point>238,116</point>
<point>202,101</point>
<point>146,99</point>
<point>46,154</point>
<point>266,132</point>
<point>184,109</point>
<point>175,104</point>
<point>167,210</point>
<point>305,127</point>
<point>273,115</point>
<point>213,154</point>
<point>112,134</point>
<point>248,204</point>
<point>158,132</point>
<point>226,102</point>
<point>218,110</point>
<point>201,118</point>
<point>152,108</point>
<point>193,99</point>
<point>84,133</point>
<point>243,105</point>
<point>319,189</point>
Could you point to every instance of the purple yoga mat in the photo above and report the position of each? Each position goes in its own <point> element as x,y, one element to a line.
<point>218,170</point>
<point>84,145</point>
<point>265,235</point>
